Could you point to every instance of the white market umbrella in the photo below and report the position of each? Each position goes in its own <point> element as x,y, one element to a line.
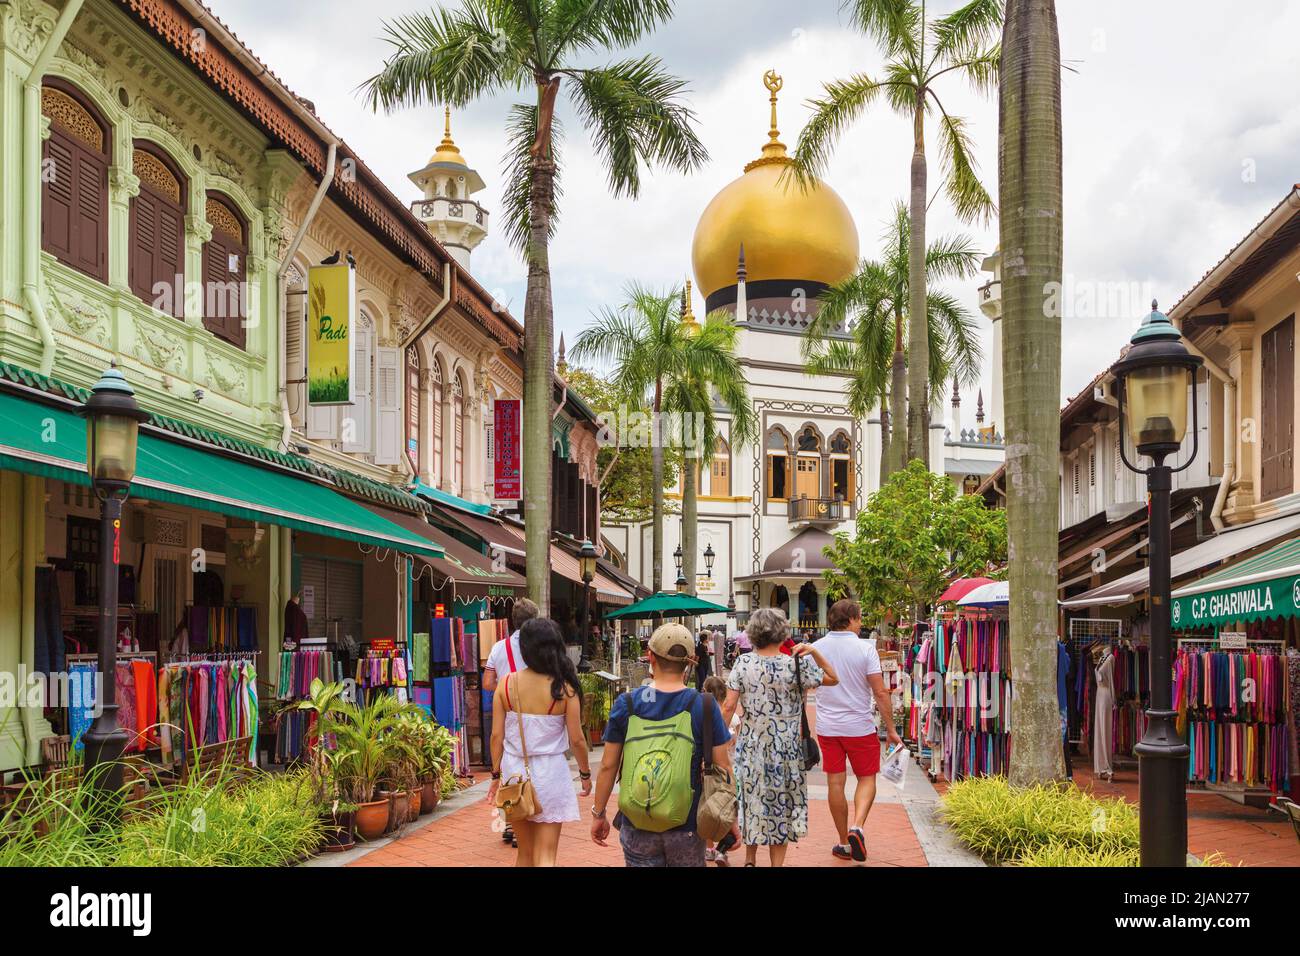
<point>995,594</point>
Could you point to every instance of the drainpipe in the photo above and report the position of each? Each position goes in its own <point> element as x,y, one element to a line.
<point>286,419</point>
<point>448,277</point>
<point>32,184</point>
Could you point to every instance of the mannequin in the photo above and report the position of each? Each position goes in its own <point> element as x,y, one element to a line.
<point>1104,720</point>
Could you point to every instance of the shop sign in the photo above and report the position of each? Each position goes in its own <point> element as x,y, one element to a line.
<point>506,425</point>
<point>1251,602</point>
<point>1233,640</point>
<point>331,310</point>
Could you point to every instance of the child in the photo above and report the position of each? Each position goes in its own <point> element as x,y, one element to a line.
<point>718,688</point>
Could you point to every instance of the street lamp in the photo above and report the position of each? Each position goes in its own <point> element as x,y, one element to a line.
<point>1153,380</point>
<point>731,606</point>
<point>677,558</point>
<point>682,584</point>
<point>587,568</point>
<point>112,428</point>
<point>709,556</point>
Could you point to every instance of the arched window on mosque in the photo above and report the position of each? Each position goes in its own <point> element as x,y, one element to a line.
<point>808,464</point>
<point>720,469</point>
<point>778,464</point>
<point>841,465</point>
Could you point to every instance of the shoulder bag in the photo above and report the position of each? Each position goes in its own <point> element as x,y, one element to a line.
<point>812,754</point>
<point>516,797</point>
<point>716,814</point>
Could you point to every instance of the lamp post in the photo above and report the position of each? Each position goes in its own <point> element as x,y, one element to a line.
<point>112,428</point>
<point>709,557</point>
<point>682,585</point>
<point>677,559</point>
<point>587,567</point>
<point>1153,378</point>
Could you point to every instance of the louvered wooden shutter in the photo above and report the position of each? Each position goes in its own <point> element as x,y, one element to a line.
<point>225,306</point>
<point>356,420</point>
<point>388,397</point>
<point>74,186</point>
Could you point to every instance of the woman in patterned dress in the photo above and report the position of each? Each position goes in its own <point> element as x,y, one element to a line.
<point>773,801</point>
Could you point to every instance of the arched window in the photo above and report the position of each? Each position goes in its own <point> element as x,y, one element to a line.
<point>156,252</point>
<point>458,426</point>
<point>414,407</point>
<point>435,387</point>
<point>225,272</point>
<point>720,469</point>
<point>778,464</point>
<point>808,464</point>
<point>841,465</point>
<point>74,182</point>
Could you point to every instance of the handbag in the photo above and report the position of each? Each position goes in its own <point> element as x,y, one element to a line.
<point>812,754</point>
<point>716,814</point>
<point>516,797</point>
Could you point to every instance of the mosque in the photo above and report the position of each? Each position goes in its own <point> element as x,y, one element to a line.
<point>764,250</point>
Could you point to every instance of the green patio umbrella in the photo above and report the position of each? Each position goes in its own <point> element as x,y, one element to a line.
<point>667,604</point>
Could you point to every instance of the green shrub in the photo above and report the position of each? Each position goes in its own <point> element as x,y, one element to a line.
<point>1005,824</point>
<point>1061,854</point>
<point>266,821</point>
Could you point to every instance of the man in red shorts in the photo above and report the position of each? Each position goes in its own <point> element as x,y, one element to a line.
<point>846,726</point>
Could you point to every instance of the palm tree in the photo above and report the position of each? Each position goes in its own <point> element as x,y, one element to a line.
<point>642,342</point>
<point>707,379</point>
<point>872,304</point>
<point>919,53</point>
<point>630,108</point>
<point>1029,173</point>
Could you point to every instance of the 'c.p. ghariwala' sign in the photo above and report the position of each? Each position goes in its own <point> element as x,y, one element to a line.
<point>331,308</point>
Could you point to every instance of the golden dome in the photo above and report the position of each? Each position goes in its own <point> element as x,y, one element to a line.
<point>448,151</point>
<point>788,232</point>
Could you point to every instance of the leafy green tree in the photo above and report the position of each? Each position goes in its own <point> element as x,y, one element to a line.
<point>872,304</point>
<point>914,535</point>
<point>631,108</point>
<point>920,52</point>
<point>709,379</point>
<point>1029,173</point>
<point>625,471</point>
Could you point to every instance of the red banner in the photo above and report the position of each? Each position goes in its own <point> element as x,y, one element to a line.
<point>506,425</point>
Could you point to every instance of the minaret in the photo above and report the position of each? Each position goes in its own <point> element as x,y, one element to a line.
<point>447,183</point>
<point>954,417</point>
<point>742,298</point>
<point>688,310</point>
<point>979,409</point>
<point>561,363</point>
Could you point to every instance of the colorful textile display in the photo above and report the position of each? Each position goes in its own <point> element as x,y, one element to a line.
<point>222,628</point>
<point>208,702</point>
<point>300,667</point>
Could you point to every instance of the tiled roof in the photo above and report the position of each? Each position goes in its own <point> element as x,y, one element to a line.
<point>347,481</point>
<point>365,193</point>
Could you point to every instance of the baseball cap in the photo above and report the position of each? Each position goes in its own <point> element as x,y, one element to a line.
<point>672,642</point>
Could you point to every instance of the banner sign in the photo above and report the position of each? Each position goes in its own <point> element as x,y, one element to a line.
<point>506,425</point>
<point>1247,602</point>
<point>331,308</point>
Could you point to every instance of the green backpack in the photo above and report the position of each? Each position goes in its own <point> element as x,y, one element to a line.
<point>655,792</point>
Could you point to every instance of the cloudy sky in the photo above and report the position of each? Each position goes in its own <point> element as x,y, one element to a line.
<point>1181,132</point>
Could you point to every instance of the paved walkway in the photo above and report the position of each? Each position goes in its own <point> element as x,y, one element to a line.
<point>901,831</point>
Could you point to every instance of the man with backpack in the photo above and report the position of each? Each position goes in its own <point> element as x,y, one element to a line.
<point>655,743</point>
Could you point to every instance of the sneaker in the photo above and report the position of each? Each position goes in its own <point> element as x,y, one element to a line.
<point>858,844</point>
<point>841,852</point>
<point>720,859</point>
<point>710,855</point>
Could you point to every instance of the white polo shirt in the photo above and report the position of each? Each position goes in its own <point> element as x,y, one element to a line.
<point>499,659</point>
<point>847,709</point>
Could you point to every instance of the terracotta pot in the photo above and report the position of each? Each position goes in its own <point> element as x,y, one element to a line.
<point>430,794</point>
<point>372,818</point>
<point>395,817</point>
<point>340,831</point>
<point>412,804</point>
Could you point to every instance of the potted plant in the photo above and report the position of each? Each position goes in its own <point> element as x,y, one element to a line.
<point>434,744</point>
<point>595,707</point>
<point>362,757</point>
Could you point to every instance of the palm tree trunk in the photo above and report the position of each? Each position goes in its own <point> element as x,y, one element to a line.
<point>898,397</point>
<point>657,494</point>
<point>539,321</point>
<point>918,339</point>
<point>690,520</point>
<point>1029,172</point>
<point>886,440</point>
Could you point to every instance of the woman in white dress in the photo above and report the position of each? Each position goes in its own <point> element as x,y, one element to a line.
<point>541,704</point>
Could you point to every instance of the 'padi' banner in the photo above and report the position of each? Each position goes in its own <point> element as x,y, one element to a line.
<point>506,436</point>
<point>1247,602</point>
<point>331,307</point>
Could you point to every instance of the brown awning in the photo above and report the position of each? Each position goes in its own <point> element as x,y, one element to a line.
<point>473,573</point>
<point>803,556</point>
<point>607,592</point>
<point>495,533</point>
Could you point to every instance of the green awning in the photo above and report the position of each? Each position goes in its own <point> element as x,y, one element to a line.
<point>1265,586</point>
<point>46,440</point>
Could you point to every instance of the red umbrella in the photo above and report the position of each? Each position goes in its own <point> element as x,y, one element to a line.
<point>960,588</point>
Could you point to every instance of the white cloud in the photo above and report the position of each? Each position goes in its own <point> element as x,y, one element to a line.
<point>1180,131</point>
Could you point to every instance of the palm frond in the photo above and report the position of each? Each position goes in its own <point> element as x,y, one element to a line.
<point>516,198</point>
<point>601,24</point>
<point>633,112</point>
<point>967,29</point>
<point>951,257</point>
<point>895,24</point>
<point>970,200</point>
<point>448,56</point>
<point>955,333</point>
<point>844,101</point>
